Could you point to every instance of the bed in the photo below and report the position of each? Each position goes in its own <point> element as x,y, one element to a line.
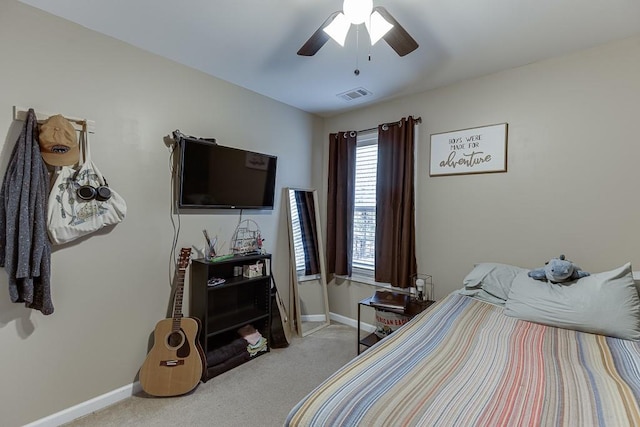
<point>471,360</point>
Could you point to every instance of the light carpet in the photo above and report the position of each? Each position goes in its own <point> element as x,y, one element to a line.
<point>260,392</point>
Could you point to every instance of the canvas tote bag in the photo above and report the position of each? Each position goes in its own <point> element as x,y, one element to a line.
<point>81,201</point>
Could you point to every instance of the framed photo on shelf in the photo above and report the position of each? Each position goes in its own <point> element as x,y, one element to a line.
<point>469,151</point>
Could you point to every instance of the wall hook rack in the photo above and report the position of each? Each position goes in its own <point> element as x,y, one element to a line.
<point>20,113</point>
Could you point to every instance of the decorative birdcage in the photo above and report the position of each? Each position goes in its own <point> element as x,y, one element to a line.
<point>246,238</point>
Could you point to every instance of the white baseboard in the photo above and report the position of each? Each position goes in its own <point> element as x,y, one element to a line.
<point>351,322</point>
<point>312,317</point>
<point>85,408</point>
<point>340,319</point>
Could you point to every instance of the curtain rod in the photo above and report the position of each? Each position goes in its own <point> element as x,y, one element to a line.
<point>417,120</point>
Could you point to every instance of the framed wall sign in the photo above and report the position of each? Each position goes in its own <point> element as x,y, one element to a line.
<point>466,151</point>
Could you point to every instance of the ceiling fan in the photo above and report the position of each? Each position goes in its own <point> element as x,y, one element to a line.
<point>379,23</point>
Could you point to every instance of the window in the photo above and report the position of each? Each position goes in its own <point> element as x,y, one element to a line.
<point>364,215</point>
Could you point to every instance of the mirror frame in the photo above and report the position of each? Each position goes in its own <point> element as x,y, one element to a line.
<point>295,296</point>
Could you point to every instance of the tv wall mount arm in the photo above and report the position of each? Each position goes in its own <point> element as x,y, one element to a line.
<point>179,136</point>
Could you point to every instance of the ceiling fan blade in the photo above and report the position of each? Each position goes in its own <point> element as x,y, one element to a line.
<point>317,39</point>
<point>397,37</point>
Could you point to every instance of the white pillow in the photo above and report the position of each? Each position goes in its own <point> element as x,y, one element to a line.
<point>603,303</point>
<point>493,278</point>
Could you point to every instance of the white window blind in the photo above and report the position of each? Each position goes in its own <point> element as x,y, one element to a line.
<point>364,216</point>
<point>297,234</point>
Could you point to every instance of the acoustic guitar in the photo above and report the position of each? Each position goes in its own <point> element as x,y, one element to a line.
<point>176,362</point>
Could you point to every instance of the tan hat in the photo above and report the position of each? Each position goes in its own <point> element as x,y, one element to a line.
<point>58,142</point>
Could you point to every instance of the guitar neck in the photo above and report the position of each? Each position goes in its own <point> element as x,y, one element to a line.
<point>177,301</point>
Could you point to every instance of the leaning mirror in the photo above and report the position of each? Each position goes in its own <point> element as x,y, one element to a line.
<point>310,303</point>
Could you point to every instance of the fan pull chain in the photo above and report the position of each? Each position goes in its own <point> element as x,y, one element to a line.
<point>370,39</point>
<point>357,70</point>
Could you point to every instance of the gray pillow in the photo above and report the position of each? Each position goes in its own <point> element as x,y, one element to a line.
<point>493,278</point>
<point>603,303</point>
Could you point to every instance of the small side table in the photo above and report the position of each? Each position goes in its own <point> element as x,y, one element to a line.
<point>413,308</point>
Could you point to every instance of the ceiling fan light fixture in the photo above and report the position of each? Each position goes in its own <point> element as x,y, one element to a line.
<point>377,27</point>
<point>357,11</point>
<point>379,22</point>
<point>338,28</point>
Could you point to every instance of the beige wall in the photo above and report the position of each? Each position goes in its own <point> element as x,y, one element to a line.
<point>571,186</point>
<point>111,289</point>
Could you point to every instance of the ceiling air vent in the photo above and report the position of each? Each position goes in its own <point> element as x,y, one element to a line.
<point>356,93</point>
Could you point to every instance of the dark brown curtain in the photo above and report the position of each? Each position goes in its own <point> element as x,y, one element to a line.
<point>395,256</point>
<point>340,202</point>
<point>308,230</point>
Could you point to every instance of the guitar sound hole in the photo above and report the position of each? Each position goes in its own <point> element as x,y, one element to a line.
<point>175,339</point>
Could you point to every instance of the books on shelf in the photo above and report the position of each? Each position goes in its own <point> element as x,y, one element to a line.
<point>390,300</point>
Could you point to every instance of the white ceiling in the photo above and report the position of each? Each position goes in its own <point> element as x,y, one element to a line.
<point>253,44</point>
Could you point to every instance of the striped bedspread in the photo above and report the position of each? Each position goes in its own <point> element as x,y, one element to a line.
<point>464,363</point>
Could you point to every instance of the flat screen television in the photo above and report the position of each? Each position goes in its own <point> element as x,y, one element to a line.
<point>218,177</point>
